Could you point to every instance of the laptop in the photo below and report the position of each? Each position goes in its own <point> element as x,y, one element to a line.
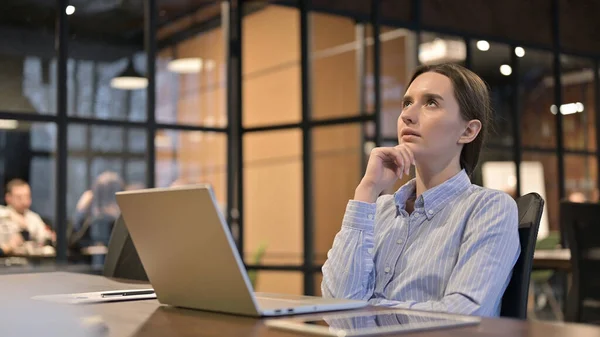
<point>192,261</point>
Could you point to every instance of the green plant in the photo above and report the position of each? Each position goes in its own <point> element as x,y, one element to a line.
<point>256,260</point>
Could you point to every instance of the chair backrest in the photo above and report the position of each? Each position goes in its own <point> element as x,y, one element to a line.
<point>122,260</point>
<point>580,225</point>
<point>514,301</point>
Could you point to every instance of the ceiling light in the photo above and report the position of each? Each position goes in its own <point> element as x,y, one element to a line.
<point>519,51</point>
<point>70,10</point>
<point>129,79</point>
<point>568,109</point>
<point>185,65</point>
<point>505,70</point>
<point>439,50</point>
<point>483,45</point>
<point>8,124</point>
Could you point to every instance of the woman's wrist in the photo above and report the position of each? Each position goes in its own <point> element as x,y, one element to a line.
<point>366,193</point>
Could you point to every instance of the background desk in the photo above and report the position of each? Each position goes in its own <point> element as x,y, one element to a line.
<point>554,259</point>
<point>149,318</point>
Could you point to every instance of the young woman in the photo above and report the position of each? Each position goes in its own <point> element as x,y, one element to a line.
<point>439,243</point>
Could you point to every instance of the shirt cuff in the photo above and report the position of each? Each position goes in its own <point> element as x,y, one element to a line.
<point>360,215</point>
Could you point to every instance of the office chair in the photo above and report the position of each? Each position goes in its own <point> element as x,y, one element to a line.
<point>122,260</point>
<point>514,300</point>
<point>580,224</point>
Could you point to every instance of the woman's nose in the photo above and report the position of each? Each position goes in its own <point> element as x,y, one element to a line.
<point>408,116</point>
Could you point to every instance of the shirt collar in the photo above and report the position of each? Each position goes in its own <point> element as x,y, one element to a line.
<point>433,200</point>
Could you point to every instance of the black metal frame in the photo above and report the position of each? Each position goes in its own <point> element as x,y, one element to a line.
<point>307,157</point>
<point>231,21</point>
<point>235,159</point>
<point>62,29</point>
<point>558,97</point>
<point>150,23</point>
<point>516,115</point>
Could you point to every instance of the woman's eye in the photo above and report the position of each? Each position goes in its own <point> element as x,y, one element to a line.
<point>432,102</point>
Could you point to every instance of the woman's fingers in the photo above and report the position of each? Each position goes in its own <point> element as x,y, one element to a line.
<point>406,160</point>
<point>401,157</point>
<point>408,157</point>
<point>393,157</point>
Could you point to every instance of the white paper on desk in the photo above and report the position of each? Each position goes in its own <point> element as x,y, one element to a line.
<point>96,297</point>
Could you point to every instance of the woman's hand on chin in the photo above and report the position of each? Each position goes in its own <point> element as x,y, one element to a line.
<point>386,165</point>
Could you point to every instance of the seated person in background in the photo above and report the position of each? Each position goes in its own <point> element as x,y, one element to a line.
<point>17,218</point>
<point>97,211</point>
<point>439,243</point>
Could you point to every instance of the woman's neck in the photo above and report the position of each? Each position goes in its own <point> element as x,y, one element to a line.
<point>430,176</point>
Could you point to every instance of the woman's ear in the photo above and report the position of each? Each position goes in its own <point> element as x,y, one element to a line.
<point>471,132</point>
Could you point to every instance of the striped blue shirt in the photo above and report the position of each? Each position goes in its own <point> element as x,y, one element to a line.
<point>454,253</point>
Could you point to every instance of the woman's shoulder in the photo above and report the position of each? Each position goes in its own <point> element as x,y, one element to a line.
<point>483,196</point>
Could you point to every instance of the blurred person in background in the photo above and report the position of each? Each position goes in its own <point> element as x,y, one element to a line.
<point>97,211</point>
<point>18,223</point>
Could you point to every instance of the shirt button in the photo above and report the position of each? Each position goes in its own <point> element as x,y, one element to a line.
<point>399,241</point>
<point>370,216</point>
<point>370,250</point>
<point>387,269</point>
<point>430,212</point>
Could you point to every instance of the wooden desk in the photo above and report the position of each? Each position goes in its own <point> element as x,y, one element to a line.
<point>149,318</point>
<point>554,259</point>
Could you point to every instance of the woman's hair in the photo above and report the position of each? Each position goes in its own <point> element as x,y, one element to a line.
<point>473,97</point>
<point>104,201</point>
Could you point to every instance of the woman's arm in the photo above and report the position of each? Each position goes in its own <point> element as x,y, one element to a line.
<point>348,271</point>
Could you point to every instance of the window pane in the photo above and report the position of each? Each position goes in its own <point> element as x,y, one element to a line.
<point>106,69</point>
<point>496,170</point>
<point>278,282</point>
<point>581,176</point>
<point>192,157</point>
<point>271,80</point>
<point>539,174</point>
<point>28,57</point>
<point>78,137</point>
<point>398,61</point>
<point>538,124</point>
<point>578,103</point>
<point>273,196</point>
<point>491,61</point>
<point>91,92</point>
<point>335,78</point>
<point>192,73</point>
<point>27,152</point>
<point>318,278</point>
<point>107,138</point>
<point>135,174</point>
<point>337,156</point>
<point>99,154</point>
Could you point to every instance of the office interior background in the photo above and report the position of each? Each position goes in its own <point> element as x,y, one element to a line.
<point>277,105</point>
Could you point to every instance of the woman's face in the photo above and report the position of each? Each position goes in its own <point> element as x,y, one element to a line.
<point>430,123</point>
